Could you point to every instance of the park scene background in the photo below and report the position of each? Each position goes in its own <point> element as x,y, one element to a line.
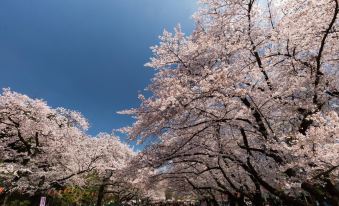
<point>168,102</point>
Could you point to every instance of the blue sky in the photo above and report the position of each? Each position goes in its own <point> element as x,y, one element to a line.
<point>86,55</point>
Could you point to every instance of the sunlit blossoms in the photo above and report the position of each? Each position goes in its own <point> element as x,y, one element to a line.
<point>43,148</point>
<point>248,104</point>
<point>243,110</point>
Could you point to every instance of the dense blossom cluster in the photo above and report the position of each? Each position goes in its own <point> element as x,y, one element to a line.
<point>248,104</point>
<point>43,148</point>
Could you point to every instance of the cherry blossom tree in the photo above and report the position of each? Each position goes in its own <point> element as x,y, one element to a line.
<point>248,104</point>
<point>131,183</point>
<point>111,166</point>
<point>42,147</point>
<point>36,142</point>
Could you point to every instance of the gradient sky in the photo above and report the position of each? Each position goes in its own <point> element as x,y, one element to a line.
<point>85,55</point>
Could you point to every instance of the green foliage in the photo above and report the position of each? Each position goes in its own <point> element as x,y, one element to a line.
<point>19,203</point>
<point>168,194</point>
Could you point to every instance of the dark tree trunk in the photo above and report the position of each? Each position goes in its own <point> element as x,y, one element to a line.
<point>101,194</point>
<point>101,191</point>
<point>257,200</point>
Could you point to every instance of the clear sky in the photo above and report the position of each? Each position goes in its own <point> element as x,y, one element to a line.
<point>85,55</point>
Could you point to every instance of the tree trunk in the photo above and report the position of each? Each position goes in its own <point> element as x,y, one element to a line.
<point>101,191</point>
<point>5,200</point>
<point>257,200</point>
<point>100,194</point>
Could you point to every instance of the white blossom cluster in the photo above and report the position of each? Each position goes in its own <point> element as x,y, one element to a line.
<point>42,147</point>
<point>247,104</point>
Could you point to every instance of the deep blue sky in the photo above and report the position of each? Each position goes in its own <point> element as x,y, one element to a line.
<point>86,55</point>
